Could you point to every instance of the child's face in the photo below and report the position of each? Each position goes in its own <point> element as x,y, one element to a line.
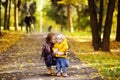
<point>53,40</point>
<point>59,40</point>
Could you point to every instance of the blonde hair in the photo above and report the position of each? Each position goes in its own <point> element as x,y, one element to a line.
<point>61,36</point>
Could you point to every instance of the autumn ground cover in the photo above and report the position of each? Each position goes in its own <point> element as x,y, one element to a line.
<point>8,38</point>
<point>107,63</point>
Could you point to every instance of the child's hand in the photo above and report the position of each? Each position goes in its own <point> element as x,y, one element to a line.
<point>55,50</point>
<point>60,53</point>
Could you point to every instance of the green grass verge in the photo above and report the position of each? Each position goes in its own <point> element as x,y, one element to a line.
<point>81,33</point>
<point>108,64</point>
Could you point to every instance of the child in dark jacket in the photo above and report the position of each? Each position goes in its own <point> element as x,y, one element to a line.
<point>47,51</point>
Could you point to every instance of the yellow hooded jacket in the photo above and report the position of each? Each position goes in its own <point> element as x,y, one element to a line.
<point>62,47</point>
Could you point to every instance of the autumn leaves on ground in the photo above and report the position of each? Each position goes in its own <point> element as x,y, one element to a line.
<point>108,64</point>
<point>7,39</point>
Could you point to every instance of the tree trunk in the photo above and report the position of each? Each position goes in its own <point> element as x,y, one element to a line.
<point>108,24</point>
<point>0,18</point>
<point>70,26</point>
<point>79,23</point>
<point>118,23</point>
<point>16,14</point>
<point>96,40</point>
<point>5,16</point>
<point>8,19</point>
<point>100,16</point>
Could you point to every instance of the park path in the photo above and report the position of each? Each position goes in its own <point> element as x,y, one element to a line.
<point>22,62</point>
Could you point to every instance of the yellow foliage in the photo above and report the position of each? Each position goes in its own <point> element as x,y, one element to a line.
<point>74,2</point>
<point>8,39</point>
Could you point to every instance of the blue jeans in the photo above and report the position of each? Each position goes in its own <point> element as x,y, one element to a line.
<point>62,63</point>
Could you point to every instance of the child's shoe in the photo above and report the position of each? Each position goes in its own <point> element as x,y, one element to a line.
<point>49,71</point>
<point>64,75</point>
<point>58,74</point>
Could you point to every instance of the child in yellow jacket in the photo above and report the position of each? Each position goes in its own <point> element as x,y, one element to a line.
<point>59,50</point>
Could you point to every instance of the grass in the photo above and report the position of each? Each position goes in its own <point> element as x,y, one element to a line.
<point>107,63</point>
<point>81,33</point>
<point>85,34</point>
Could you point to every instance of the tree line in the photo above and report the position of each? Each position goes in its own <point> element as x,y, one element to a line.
<point>97,11</point>
<point>96,24</point>
<point>20,7</point>
<point>62,10</point>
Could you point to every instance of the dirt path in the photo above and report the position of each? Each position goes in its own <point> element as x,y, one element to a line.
<point>22,62</point>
